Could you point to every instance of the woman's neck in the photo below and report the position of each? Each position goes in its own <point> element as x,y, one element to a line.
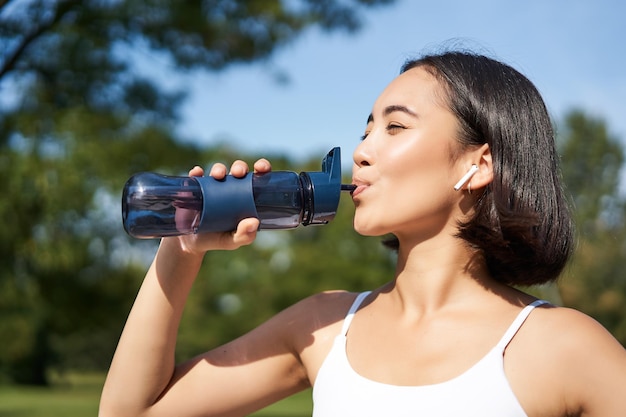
<point>439,272</point>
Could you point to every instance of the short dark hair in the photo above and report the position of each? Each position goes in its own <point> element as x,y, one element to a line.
<point>522,224</point>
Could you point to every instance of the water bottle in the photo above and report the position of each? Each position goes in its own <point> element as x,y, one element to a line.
<point>155,205</point>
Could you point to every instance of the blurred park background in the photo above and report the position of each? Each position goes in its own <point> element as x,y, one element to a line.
<point>93,91</point>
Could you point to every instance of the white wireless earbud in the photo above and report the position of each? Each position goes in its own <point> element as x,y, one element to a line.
<point>466,177</point>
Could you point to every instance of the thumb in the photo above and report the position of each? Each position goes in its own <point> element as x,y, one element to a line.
<point>246,231</point>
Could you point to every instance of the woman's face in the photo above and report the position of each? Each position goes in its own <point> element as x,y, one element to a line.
<point>404,167</point>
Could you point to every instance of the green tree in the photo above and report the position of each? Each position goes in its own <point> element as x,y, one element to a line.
<point>592,161</point>
<point>76,121</point>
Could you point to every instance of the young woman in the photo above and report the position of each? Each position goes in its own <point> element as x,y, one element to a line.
<point>458,164</point>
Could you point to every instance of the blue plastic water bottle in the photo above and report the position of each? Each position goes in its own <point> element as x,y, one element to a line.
<point>155,205</point>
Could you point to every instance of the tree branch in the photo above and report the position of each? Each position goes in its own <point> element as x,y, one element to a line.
<point>62,8</point>
<point>3,3</point>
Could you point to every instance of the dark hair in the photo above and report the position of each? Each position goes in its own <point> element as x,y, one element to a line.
<point>522,224</point>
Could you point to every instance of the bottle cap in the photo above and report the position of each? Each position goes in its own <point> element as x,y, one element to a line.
<point>321,190</point>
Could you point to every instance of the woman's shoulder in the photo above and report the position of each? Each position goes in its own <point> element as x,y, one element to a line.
<point>300,324</point>
<point>311,325</point>
<point>334,299</point>
<point>321,309</point>
<point>577,359</point>
<point>566,341</point>
<point>577,344</point>
<point>569,326</point>
<point>569,333</point>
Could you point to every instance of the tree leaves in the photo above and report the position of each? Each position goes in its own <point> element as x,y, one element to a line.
<point>80,121</point>
<point>592,162</point>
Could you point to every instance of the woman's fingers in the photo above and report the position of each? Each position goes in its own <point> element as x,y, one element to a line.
<point>238,169</point>
<point>262,166</point>
<point>218,171</point>
<point>196,171</point>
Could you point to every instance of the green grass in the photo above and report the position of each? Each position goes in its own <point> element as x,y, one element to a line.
<point>77,395</point>
<point>71,396</point>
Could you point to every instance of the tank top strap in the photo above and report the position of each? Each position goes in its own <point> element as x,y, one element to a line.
<point>355,306</point>
<point>517,324</point>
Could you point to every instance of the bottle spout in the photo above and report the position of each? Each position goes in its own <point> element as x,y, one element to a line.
<point>348,187</point>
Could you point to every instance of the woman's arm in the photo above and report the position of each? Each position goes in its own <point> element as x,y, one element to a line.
<point>246,374</point>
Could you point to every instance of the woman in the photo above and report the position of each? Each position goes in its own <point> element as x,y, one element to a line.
<point>458,164</point>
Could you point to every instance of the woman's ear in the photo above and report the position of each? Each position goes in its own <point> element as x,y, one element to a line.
<point>480,171</point>
<point>484,175</point>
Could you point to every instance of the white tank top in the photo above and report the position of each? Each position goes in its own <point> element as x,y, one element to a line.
<point>481,391</point>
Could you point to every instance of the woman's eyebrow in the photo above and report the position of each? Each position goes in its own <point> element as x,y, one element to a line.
<point>397,107</point>
<point>391,109</point>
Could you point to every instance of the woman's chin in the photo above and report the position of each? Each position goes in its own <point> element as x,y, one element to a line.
<point>368,229</point>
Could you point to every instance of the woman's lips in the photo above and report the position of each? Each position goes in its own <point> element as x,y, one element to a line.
<point>359,189</point>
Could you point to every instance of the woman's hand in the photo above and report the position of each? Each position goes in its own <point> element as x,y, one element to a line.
<point>246,229</point>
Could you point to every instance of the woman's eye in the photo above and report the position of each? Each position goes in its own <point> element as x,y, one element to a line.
<point>394,128</point>
<point>364,136</point>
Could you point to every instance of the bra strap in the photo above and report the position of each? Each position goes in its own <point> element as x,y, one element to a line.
<point>517,323</point>
<point>355,306</point>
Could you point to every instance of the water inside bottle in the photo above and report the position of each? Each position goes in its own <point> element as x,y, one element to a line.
<point>156,206</point>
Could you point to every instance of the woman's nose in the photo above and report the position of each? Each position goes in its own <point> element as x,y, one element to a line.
<point>362,154</point>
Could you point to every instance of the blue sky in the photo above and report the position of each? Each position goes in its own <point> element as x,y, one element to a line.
<point>573,50</point>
